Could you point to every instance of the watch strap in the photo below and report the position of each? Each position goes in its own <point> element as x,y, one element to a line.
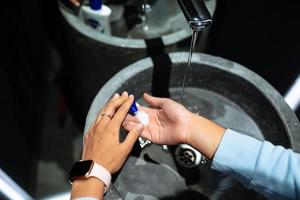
<point>101,173</point>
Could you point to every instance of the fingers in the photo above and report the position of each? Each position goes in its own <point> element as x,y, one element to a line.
<point>111,107</point>
<point>132,136</point>
<point>130,122</point>
<point>130,125</point>
<point>115,102</point>
<point>116,96</point>
<point>122,111</point>
<point>130,118</point>
<point>154,101</point>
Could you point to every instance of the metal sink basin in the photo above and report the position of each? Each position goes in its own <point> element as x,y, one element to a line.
<point>218,89</point>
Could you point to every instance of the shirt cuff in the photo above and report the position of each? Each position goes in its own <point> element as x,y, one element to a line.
<point>237,156</point>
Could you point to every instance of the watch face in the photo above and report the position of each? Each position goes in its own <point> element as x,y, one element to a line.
<point>80,169</point>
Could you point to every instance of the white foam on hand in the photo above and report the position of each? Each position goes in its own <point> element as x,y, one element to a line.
<point>142,117</point>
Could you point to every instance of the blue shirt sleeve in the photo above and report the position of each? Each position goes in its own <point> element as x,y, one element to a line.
<point>273,171</point>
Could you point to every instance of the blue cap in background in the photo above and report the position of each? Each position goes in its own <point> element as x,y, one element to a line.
<point>96,4</point>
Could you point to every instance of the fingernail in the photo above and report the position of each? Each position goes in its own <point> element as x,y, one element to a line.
<point>124,93</point>
<point>131,96</point>
<point>116,96</point>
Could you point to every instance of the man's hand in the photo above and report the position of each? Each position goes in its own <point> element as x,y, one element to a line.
<point>169,121</point>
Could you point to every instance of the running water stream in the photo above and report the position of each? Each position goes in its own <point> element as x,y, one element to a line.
<point>193,42</point>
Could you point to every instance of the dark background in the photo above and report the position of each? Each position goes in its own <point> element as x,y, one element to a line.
<point>264,36</point>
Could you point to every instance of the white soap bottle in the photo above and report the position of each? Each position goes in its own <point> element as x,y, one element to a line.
<point>97,15</point>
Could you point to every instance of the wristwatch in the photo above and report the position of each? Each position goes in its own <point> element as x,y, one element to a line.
<point>84,169</point>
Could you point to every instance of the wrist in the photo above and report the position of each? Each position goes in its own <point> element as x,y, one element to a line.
<point>100,160</point>
<point>193,128</point>
<point>88,170</point>
<point>204,135</point>
<point>91,187</point>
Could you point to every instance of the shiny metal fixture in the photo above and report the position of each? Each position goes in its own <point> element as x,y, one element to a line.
<point>196,13</point>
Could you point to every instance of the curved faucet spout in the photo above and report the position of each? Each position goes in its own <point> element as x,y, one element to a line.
<point>196,13</point>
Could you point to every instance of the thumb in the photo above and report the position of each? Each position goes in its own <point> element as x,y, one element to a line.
<point>154,101</point>
<point>133,135</point>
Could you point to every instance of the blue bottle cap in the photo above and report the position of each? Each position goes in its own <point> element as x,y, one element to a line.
<point>133,109</point>
<point>95,4</point>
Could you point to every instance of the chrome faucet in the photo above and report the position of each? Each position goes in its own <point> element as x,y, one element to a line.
<point>196,13</point>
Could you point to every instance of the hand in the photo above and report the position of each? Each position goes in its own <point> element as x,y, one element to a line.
<point>102,144</point>
<point>169,121</point>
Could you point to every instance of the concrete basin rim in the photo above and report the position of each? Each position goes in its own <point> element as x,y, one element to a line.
<point>119,42</point>
<point>287,116</point>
